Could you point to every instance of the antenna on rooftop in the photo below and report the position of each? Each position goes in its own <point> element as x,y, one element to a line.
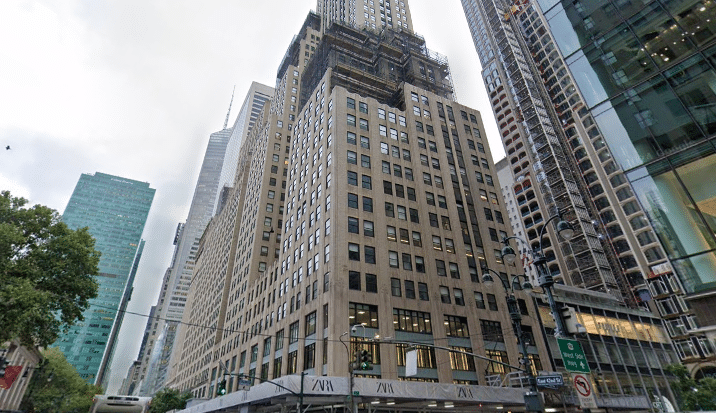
<point>226,122</point>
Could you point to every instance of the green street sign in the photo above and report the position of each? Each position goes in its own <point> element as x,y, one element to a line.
<point>573,356</point>
<point>356,393</point>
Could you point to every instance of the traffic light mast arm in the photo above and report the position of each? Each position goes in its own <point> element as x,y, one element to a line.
<point>415,343</point>
<point>265,381</point>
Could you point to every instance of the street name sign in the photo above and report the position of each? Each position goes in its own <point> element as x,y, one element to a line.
<point>573,356</point>
<point>552,381</point>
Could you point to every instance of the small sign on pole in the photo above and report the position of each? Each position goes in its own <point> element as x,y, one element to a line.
<point>585,391</point>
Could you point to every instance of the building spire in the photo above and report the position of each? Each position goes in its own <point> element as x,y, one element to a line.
<point>226,122</point>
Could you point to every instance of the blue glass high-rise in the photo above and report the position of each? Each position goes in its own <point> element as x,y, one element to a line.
<point>115,210</point>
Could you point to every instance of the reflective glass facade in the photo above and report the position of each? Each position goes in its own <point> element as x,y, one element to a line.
<point>115,209</point>
<point>647,73</point>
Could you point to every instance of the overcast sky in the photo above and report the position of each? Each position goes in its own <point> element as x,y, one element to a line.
<point>134,88</point>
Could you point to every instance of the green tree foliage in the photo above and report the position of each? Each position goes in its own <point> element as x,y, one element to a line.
<point>57,387</point>
<point>169,399</point>
<point>692,394</point>
<point>46,272</point>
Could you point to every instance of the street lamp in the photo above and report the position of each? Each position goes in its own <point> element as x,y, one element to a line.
<point>516,318</point>
<point>546,281</point>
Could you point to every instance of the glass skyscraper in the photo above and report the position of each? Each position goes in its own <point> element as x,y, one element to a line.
<point>632,87</point>
<point>115,209</point>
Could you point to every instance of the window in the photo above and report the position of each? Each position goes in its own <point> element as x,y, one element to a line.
<point>407,262</point>
<point>354,280</point>
<point>442,202</point>
<point>457,293</point>
<point>423,292</point>
<point>417,240</point>
<point>433,220</point>
<point>409,289</point>
<point>351,138</point>
<point>387,187</point>
<point>389,210</point>
<point>393,259</point>
<point>363,107</point>
<point>365,142</point>
<point>402,213</point>
<point>440,266</point>
<point>479,300</point>
<point>365,161</point>
<point>363,124</point>
<point>395,289</point>
<point>430,198</point>
<point>412,321</point>
<point>351,120</point>
<point>391,233</point>
<point>293,333</point>
<point>369,254</point>
<point>353,225</point>
<point>454,270</point>
<point>371,283</point>
<point>352,201</point>
<point>492,302</point>
<point>352,178</point>
<point>419,264</point>
<point>353,252</point>
<point>367,228</point>
<point>456,326</point>
<point>445,295</point>
<point>367,204</point>
<point>350,102</point>
<point>367,183</point>
<point>311,324</point>
<point>492,331</point>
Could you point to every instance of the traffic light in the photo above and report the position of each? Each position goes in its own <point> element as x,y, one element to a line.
<point>365,360</point>
<point>3,365</point>
<point>571,323</point>
<point>221,388</point>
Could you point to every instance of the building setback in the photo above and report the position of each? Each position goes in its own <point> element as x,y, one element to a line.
<point>115,209</point>
<point>625,87</point>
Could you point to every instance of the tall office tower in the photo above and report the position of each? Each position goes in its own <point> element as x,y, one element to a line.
<point>369,14</point>
<point>131,383</point>
<point>361,208</point>
<point>115,209</point>
<point>629,84</point>
<point>217,171</point>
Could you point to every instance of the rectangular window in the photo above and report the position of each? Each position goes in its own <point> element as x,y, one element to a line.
<point>351,120</point>
<point>492,302</point>
<point>363,124</point>
<point>352,201</point>
<point>353,225</point>
<point>393,259</point>
<point>367,228</point>
<point>367,183</point>
<point>371,283</point>
<point>311,324</point>
<point>369,254</point>
<point>350,103</point>
<point>395,287</point>
<point>419,264</point>
<point>407,262</point>
<point>352,178</point>
<point>365,161</point>
<point>440,266</point>
<point>412,321</point>
<point>445,295</point>
<point>389,210</point>
<point>367,204</point>
<point>409,289</point>
<point>456,326</point>
<point>392,236</point>
<point>293,333</point>
<point>423,292</point>
<point>479,300</point>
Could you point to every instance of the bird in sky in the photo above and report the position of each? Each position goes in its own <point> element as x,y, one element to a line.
<point>7,148</point>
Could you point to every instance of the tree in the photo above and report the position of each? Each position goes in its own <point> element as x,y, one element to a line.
<point>692,394</point>
<point>169,399</point>
<point>57,387</point>
<point>46,272</point>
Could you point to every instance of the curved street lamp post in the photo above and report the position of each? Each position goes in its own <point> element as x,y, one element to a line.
<point>516,318</point>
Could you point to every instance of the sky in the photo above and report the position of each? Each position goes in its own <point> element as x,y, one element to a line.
<point>134,88</point>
